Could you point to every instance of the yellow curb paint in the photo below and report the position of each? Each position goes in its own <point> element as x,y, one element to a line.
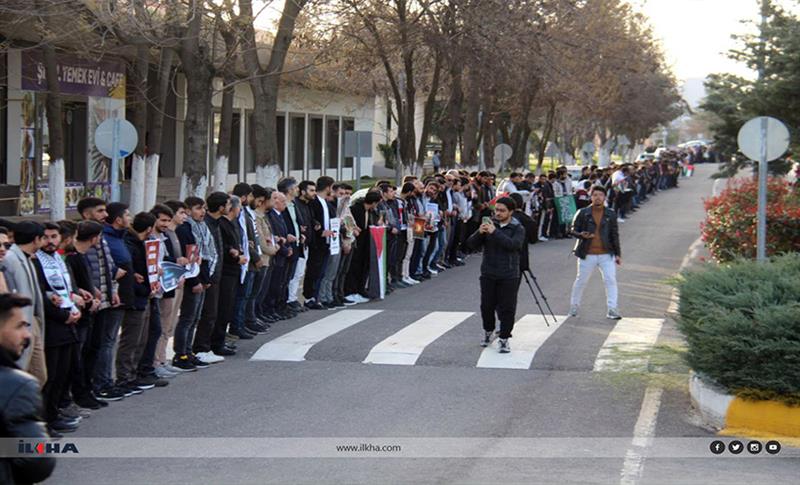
<point>763,418</point>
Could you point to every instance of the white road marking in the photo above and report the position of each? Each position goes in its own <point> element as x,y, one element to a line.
<point>624,346</point>
<point>643,434</point>
<point>294,345</point>
<point>530,332</point>
<point>405,346</point>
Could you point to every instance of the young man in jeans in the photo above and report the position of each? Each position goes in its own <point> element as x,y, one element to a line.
<point>597,247</point>
<point>193,232</point>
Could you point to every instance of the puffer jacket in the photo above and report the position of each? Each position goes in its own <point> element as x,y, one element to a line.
<point>20,417</point>
<point>501,250</point>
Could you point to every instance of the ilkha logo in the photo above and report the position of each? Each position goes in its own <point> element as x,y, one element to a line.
<point>42,448</point>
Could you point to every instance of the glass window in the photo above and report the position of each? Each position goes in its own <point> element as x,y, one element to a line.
<point>349,125</point>
<point>296,142</point>
<point>280,133</point>
<point>332,142</point>
<point>315,143</point>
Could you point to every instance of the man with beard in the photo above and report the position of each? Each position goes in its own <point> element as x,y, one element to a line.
<point>20,401</point>
<point>61,314</point>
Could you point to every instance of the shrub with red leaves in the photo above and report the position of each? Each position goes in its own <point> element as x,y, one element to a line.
<point>729,230</point>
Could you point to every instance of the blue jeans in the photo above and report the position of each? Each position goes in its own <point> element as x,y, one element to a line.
<point>441,238</point>
<point>153,334</point>
<point>191,306</point>
<point>243,294</point>
<point>107,323</point>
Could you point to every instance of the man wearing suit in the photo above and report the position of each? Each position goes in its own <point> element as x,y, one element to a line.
<point>321,213</point>
<point>21,278</point>
<point>276,301</point>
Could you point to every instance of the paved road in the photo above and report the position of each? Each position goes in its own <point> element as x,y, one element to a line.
<point>573,401</point>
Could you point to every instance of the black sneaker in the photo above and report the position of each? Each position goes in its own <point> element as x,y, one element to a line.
<point>129,387</point>
<point>110,394</point>
<point>88,402</point>
<point>145,383</point>
<point>62,426</point>
<point>198,364</point>
<point>125,390</point>
<point>161,383</point>
<point>224,351</point>
<point>184,364</point>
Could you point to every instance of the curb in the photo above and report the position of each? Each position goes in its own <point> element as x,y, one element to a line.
<point>731,415</point>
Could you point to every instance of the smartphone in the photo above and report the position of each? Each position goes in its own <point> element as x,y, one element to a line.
<point>486,220</point>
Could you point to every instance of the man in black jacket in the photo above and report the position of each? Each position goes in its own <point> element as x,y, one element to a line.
<point>276,303</point>
<point>209,329</point>
<point>597,246</point>
<point>61,314</point>
<point>234,268</point>
<point>501,239</point>
<point>20,401</point>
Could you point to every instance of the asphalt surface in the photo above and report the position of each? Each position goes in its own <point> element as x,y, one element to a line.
<point>332,394</point>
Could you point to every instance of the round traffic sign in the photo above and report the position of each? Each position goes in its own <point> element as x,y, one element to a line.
<point>502,153</point>
<point>126,137</point>
<point>750,136</point>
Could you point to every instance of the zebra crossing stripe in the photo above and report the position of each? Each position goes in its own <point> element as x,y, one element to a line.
<point>294,345</point>
<point>626,347</point>
<point>405,346</point>
<point>529,334</point>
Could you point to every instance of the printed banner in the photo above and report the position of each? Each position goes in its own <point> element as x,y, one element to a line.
<point>334,244</point>
<point>419,227</point>
<point>192,252</point>
<point>86,77</point>
<point>431,216</point>
<point>565,208</point>
<point>152,248</point>
<point>27,161</point>
<point>376,288</point>
<point>171,275</point>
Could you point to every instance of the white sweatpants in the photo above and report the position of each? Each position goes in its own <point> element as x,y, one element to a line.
<point>297,279</point>
<point>608,269</point>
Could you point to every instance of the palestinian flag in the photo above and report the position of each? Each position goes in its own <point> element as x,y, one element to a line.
<point>376,287</point>
<point>499,196</point>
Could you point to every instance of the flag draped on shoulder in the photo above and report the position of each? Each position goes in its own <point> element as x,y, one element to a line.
<point>376,288</point>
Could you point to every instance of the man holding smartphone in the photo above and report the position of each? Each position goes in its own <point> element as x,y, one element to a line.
<point>501,239</point>
<point>597,246</point>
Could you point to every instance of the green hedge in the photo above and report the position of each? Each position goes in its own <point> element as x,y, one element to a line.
<point>741,321</point>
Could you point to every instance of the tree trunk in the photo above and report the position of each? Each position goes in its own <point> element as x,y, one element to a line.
<point>428,114</point>
<point>452,124</point>
<point>56,179</point>
<point>139,75</point>
<point>265,108</point>
<point>156,124</point>
<point>469,153</point>
<point>546,134</point>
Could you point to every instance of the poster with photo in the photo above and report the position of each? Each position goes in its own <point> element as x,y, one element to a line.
<point>151,249</point>
<point>334,240</point>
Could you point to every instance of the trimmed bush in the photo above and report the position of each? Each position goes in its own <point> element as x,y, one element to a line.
<point>729,230</point>
<point>741,321</point>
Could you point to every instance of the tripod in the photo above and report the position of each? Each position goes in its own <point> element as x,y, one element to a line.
<point>525,274</point>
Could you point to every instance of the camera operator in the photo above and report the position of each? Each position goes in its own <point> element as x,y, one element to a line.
<point>501,239</point>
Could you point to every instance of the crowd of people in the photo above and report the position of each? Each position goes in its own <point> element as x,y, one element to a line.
<point>100,325</point>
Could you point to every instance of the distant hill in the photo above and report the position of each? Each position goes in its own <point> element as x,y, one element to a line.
<point>693,91</point>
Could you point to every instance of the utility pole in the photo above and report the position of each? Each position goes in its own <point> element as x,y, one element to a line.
<point>761,225</point>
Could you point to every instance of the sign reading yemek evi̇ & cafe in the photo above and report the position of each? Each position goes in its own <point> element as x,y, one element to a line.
<point>86,77</point>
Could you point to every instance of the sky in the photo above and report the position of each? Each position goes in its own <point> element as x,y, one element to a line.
<point>696,34</point>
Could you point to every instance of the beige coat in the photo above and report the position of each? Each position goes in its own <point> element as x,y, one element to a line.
<point>268,249</point>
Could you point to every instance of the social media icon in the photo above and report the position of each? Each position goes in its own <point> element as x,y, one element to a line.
<point>717,447</point>
<point>735,447</point>
<point>754,447</point>
<point>773,447</point>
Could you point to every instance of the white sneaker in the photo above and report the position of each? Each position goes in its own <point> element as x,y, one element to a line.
<point>433,271</point>
<point>410,281</point>
<point>503,346</point>
<point>163,373</point>
<point>355,298</point>
<point>619,219</point>
<point>210,357</point>
<point>573,310</point>
<point>542,238</point>
<point>361,299</point>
